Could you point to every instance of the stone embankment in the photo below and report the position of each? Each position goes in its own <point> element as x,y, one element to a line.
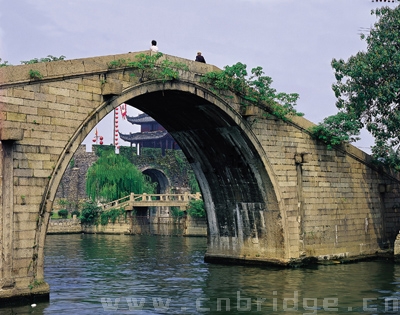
<point>168,226</point>
<point>64,226</point>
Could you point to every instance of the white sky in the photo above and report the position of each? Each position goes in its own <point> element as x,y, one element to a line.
<point>293,41</point>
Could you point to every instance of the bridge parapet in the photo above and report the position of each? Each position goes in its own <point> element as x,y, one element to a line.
<point>69,69</point>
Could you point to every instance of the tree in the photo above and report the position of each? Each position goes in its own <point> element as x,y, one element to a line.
<point>368,91</point>
<point>112,177</point>
<point>90,212</point>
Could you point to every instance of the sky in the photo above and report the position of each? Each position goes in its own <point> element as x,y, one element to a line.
<point>293,41</point>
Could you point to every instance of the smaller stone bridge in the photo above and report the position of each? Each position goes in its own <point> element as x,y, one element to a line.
<point>152,200</point>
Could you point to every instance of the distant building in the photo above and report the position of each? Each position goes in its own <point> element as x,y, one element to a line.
<point>151,135</point>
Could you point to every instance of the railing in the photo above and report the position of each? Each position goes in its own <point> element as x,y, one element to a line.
<point>148,200</point>
<point>116,203</point>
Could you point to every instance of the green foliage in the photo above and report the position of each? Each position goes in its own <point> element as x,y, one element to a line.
<point>193,183</point>
<point>150,67</point>
<point>49,58</point>
<point>368,89</point>
<point>90,212</point>
<point>63,213</point>
<point>35,74</point>
<point>112,177</point>
<point>32,73</point>
<point>111,215</point>
<point>62,202</point>
<point>119,63</point>
<point>180,160</point>
<point>196,209</point>
<point>254,89</point>
<point>36,283</point>
<point>75,212</point>
<point>176,212</point>
<point>101,150</point>
<point>336,130</point>
<point>3,63</point>
<point>72,163</point>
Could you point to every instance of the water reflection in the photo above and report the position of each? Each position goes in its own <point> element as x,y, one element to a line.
<point>120,274</point>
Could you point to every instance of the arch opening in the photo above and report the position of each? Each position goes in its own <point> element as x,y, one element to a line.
<point>242,209</point>
<point>244,217</point>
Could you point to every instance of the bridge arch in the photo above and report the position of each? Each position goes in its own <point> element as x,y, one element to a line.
<point>158,177</point>
<point>236,181</point>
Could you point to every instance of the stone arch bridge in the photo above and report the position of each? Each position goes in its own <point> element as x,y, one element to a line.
<point>272,193</point>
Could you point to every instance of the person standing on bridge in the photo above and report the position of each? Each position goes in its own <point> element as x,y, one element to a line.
<point>200,58</point>
<point>154,47</point>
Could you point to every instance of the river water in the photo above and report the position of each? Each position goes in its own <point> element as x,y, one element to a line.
<point>142,274</point>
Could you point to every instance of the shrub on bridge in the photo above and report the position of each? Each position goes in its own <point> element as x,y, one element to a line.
<point>3,63</point>
<point>150,67</point>
<point>254,88</point>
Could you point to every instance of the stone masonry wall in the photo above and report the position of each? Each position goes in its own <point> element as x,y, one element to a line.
<point>73,183</point>
<point>338,203</point>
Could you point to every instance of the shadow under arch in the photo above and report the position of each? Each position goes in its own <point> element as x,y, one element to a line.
<point>245,213</point>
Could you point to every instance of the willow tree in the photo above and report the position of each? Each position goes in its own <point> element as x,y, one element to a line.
<point>112,177</point>
<point>368,91</point>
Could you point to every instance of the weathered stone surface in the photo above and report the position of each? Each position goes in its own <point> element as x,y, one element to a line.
<point>111,88</point>
<point>13,134</point>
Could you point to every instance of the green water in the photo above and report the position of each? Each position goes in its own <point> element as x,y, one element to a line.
<point>142,274</point>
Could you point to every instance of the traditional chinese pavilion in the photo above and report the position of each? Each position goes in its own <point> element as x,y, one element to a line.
<point>151,135</point>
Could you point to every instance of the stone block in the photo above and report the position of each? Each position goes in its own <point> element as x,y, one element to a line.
<point>51,112</point>
<point>42,173</point>
<point>16,116</point>
<point>23,94</point>
<point>62,101</point>
<point>81,95</point>
<point>13,134</point>
<point>43,97</point>
<point>23,172</point>
<point>59,91</point>
<point>111,88</point>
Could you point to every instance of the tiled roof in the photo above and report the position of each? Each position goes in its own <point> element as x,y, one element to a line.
<point>145,136</point>
<point>140,119</point>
